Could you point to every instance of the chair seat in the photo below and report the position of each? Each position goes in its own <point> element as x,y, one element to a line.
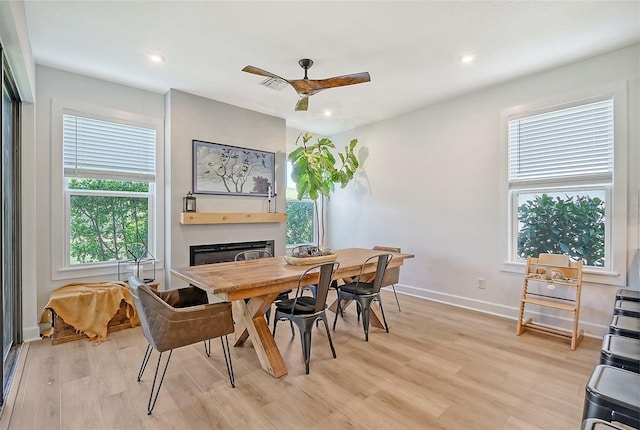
<point>355,288</point>
<point>625,326</point>
<point>622,352</point>
<point>627,308</point>
<point>628,294</point>
<point>305,305</point>
<point>612,395</point>
<point>183,297</point>
<point>597,424</point>
<point>284,295</point>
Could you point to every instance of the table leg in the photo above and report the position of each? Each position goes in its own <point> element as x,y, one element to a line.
<point>253,322</point>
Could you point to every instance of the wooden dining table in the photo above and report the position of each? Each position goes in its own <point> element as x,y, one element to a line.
<point>259,282</point>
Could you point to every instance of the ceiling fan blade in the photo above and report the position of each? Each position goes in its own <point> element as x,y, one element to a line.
<point>312,86</point>
<point>303,103</point>
<point>257,71</point>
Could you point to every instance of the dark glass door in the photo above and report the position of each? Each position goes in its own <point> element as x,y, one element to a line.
<point>10,248</point>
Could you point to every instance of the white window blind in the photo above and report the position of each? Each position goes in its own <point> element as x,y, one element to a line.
<point>576,141</point>
<point>107,150</point>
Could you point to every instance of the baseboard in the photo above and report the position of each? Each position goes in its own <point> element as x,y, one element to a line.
<point>31,333</point>
<point>510,312</point>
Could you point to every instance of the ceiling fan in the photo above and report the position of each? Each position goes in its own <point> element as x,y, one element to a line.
<point>306,87</point>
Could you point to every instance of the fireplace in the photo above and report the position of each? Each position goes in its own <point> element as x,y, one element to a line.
<point>221,252</point>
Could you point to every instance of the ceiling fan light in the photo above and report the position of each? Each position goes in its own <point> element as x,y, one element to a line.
<point>467,58</point>
<point>155,57</point>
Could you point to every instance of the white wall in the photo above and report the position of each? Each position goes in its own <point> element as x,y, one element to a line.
<point>55,87</point>
<point>191,117</point>
<point>432,182</point>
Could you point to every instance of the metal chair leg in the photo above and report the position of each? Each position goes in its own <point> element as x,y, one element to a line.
<point>267,314</point>
<point>227,360</point>
<point>384,319</point>
<point>145,360</point>
<point>326,326</point>
<point>338,311</point>
<point>207,347</point>
<point>396,294</point>
<point>154,397</point>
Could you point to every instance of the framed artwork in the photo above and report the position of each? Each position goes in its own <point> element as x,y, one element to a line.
<point>225,169</point>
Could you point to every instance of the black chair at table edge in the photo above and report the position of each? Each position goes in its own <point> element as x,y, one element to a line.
<point>363,293</point>
<point>255,255</point>
<point>391,277</point>
<point>309,250</point>
<point>175,318</point>
<point>305,310</point>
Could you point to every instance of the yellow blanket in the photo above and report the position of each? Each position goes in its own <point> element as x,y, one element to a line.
<point>88,307</point>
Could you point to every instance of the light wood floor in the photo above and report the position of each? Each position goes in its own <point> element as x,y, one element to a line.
<point>440,367</point>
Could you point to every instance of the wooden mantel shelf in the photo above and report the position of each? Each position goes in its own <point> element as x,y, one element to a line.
<point>230,218</point>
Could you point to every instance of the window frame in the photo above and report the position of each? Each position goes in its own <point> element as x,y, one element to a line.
<point>60,196</point>
<point>616,206</point>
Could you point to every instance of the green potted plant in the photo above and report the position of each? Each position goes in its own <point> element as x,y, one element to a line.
<point>315,173</point>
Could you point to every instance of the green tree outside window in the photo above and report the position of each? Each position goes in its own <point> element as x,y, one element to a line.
<point>572,225</point>
<point>103,227</point>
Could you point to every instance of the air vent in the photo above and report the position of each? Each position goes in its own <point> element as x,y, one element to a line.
<point>274,83</point>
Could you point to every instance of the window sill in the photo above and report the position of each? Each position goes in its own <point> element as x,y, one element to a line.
<point>593,276</point>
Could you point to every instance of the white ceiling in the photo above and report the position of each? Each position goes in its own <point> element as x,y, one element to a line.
<point>410,49</point>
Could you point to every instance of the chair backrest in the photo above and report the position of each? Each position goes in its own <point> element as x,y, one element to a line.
<point>253,255</point>
<point>149,307</point>
<point>391,276</point>
<point>327,270</point>
<point>166,327</point>
<point>382,263</point>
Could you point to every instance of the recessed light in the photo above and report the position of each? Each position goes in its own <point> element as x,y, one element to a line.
<point>328,113</point>
<point>155,57</point>
<point>467,58</point>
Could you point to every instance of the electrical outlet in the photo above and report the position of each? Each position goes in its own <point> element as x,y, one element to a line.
<point>481,283</point>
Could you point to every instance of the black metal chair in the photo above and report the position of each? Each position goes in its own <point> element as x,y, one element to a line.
<point>627,308</point>
<point>391,277</point>
<point>622,325</point>
<point>257,254</point>
<point>363,292</point>
<point>622,352</point>
<point>175,318</point>
<point>598,424</point>
<point>612,394</point>
<point>628,294</point>
<point>305,310</point>
<point>306,250</point>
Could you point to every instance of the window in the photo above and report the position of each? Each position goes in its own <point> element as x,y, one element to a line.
<point>560,177</point>
<point>109,189</point>
<point>302,227</point>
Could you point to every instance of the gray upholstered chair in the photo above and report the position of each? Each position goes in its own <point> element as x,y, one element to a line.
<point>175,318</point>
<point>364,292</point>
<point>305,310</point>
<point>391,276</point>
